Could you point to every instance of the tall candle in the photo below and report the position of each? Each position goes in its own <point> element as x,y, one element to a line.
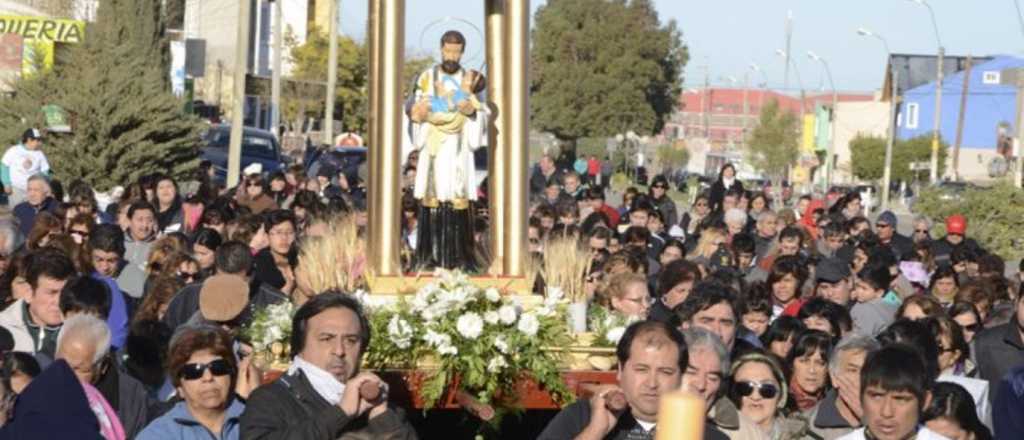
<point>681,416</point>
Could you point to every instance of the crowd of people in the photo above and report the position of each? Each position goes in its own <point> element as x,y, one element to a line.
<point>799,320</point>
<point>122,320</point>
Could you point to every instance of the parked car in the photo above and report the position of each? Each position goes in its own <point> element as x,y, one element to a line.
<point>258,146</point>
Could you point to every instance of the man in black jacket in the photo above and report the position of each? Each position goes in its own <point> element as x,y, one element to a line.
<point>320,399</point>
<point>885,228</point>
<point>999,349</point>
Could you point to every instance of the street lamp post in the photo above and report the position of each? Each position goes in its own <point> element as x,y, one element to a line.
<point>799,80</point>
<point>939,74</point>
<point>887,172</point>
<point>830,160</point>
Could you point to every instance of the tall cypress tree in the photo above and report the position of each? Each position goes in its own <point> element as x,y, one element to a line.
<point>115,89</point>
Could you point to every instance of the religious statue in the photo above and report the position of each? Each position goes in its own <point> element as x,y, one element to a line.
<point>449,123</point>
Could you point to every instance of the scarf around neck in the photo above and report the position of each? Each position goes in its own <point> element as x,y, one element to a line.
<point>323,382</point>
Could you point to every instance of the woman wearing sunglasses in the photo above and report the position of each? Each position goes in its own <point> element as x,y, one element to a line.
<point>664,203</point>
<point>759,391</point>
<point>203,371</point>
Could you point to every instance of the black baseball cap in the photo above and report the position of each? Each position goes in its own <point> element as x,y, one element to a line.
<point>31,134</point>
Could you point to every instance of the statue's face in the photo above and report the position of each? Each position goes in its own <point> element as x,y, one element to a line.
<point>451,54</point>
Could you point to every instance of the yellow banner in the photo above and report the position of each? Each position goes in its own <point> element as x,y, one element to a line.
<point>807,144</point>
<point>41,28</point>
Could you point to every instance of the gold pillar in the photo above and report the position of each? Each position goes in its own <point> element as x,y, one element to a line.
<point>383,230</point>
<point>517,111</point>
<point>497,72</point>
<point>372,43</point>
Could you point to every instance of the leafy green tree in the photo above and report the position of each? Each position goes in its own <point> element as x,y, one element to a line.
<point>113,86</point>
<point>773,144</point>
<point>995,215</point>
<point>867,156</point>
<point>310,64</point>
<point>672,157</point>
<point>599,68</point>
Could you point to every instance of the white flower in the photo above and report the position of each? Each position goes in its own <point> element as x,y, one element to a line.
<point>493,295</point>
<point>491,317</point>
<point>554,294</point>
<point>507,314</point>
<point>448,349</point>
<point>528,324</point>
<point>614,334</point>
<point>496,364</point>
<point>400,331</point>
<point>470,325</point>
<point>501,345</point>
<point>544,311</point>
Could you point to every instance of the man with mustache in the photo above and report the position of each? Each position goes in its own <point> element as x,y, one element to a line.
<point>445,178</point>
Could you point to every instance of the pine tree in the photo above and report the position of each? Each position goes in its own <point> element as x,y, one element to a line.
<point>114,88</point>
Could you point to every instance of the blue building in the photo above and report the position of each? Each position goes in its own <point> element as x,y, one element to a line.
<point>991,107</point>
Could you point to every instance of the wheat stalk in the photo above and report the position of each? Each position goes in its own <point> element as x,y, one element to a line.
<point>336,260</point>
<point>566,265</point>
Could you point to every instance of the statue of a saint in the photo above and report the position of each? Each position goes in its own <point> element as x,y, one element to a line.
<point>449,123</point>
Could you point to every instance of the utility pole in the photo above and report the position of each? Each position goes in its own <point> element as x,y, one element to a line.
<point>238,95</point>
<point>887,174</point>
<point>332,72</point>
<point>789,43</point>
<point>960,120</point>
<point>746,108</point>
<point>710,105</point>
<point>1018,174</point>
<point>275,75</point>
<point>938,116</point>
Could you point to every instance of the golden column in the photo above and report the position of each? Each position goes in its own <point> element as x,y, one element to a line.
<point>517,126</point>
<point>383,231</point>
<point>497,72</point>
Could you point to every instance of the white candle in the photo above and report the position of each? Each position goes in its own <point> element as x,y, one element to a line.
<point>680,417</point>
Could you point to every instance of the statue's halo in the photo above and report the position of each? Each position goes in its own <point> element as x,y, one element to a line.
<point>435,50</point>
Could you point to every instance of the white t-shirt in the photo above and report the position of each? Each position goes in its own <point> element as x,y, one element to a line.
<point>24,163</point>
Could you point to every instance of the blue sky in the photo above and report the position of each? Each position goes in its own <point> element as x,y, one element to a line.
<point>728,35</point>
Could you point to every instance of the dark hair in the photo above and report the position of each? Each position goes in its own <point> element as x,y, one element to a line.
<point>318,304</point>
<point>190,339</point>
<point>51,263</point>
<point>917,336</point>
<point>705,295</point>
<point>927,303</point>
<point>808,342</point>
<point>214,215</point>
<point>641,328</point>
<point>755,299</point>
<point>782,329</point>
<point>276,217</point>
<point>16,267</point>
<point>453,37</point>
<point>207,238</point>
<point>944,326</point>
<point>636,234</point>
<point>991,263</point>
<point>721,171</point>
<point>878,277</point>
<point>788,265</point>
<point>792,232</point>
<point>145,351</point>
<point>18,362</point>
<point>743,243</point>
<point>896,367</point>
<point>962,253</point>
<point>140,205</point>
<point>951,401</point>
<point>162,289</point>
<point>674,273</point>
<point>233,257</point>
<point>837,316</point>
<point>85,294</point>
<point>959,308</point>
<point>943,271</point>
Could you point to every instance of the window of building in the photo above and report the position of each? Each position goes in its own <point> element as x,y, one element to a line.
<point>913,111</point>
<point>992,77</point>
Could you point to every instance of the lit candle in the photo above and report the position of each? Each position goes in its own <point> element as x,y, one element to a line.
<point>680,417</point>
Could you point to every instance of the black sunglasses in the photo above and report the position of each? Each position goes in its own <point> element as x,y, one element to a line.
<point>921,231</point>
<point>188,275</point>
<point>746,388</point>
<point>218,367</point>
<point>974,328</point>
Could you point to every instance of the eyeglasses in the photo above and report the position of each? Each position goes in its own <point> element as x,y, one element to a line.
<point>746,388</point>
<point>190,276</point>
<point>659,186</point>
<point>253,184</point>
<point>701,204</point>
<point>921,231</point>
<point>974,328</point>
<point>217,367</point>
<point>83,234</point>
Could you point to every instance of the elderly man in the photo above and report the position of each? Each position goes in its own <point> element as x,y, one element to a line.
<point>885,228</point>
<point>767,229</point>
<point>37,199</point>
<point>839,413</point>
<point>652,357</point>
<point>707,370</point>
<point>84,343</point>
<point>319,398</point>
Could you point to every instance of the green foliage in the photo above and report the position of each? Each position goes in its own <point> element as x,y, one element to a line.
<point>414,66</point>
<point>773,144</point>
<point>114,88</point>
<point>672,157</point>
<point>351,100</point>
<point>867,155</point>
<point>599,68</point>
<point>995,216</point>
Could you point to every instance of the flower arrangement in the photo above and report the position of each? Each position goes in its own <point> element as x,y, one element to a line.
<point>566,265</point>
<point>481,336</point>
<point>336,260</point>
<point>269,332</point>
<point>607,326</point>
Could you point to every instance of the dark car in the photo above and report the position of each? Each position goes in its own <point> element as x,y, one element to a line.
<point>258,146</point>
